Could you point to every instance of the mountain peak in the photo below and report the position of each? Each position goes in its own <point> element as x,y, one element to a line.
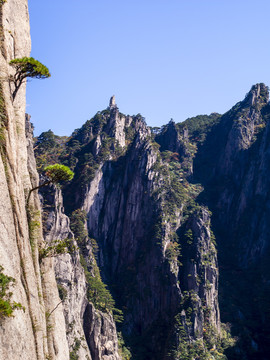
<point>112,104</point>
<point>258,94</point>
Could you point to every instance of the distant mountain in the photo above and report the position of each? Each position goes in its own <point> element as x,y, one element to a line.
<point>149,197</point>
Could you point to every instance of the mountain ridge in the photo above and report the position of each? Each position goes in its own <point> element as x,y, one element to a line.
<point>173,162</point>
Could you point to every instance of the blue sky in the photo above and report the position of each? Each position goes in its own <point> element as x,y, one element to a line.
<point>161,58</point>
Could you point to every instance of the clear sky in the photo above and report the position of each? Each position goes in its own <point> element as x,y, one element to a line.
<point>161,58</point>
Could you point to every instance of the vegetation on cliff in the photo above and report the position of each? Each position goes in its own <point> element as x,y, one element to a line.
<point>27,67</point>
<point>190,173</point>
<point>97,292</point>
<point>7,306</point>
<point>56,173</point>
<point>173,198</point>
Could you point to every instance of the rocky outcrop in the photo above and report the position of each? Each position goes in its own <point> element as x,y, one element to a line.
<point>100,334</point>
<point>177,141</point>
<point>237,193</point>
<point>135,204</point>
<point>170,139</point>
<point>91,334</point>
<point>200,270</point>
<point>68,271</point>
<point>156,250</point>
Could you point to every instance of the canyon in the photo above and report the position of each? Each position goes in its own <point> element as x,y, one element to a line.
<point>157,249</point>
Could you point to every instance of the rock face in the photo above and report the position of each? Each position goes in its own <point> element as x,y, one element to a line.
<point>135,198</point>
<point>148,213</point>
<point>237,193</point>
<point>112,102</point>
<point>91,334</point>
<point>200,274</point>
<point>138,208</point>
<point>100,334</point>
<point>42,325</point>
<point>27,332</point>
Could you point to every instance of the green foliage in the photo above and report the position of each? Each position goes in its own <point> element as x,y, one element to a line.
<point>3,121</point>
<point>2,138</point>
<point>211,345</point>
<point>30,67</point>
<point>6,305</point>
<point>173,189</point>
<point>173,251</point>
<point>73,355</point>
<point>199,126</point>
<point>190,350</point>
<point>155,130</point>
<point>118,315</point>
<point>33,218</point>
<point>91,128</point>
<point>62,292</point>
<point>56,248</point>
<point>225,339</point>
<point>77,225</point>
<point>55,173</point>
<point>189,236</point>
<point>88,165</point>
<point>79,151</point>
<point>27,67</point>
<point>176,192</point>
<point>49,149</point>
<point>46,140</point>
<point>97,292</point>
<point>58,172</point>
<point>124,351</point>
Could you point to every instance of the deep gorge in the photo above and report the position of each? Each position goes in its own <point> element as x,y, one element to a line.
<point>157,249</point>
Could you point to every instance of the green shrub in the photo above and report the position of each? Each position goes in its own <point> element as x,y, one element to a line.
<point>57,247</point>
<point>124,351</point>
<point>62,292</point>
<point>58,172</point>
<point>73,355</point>
<point>55,173</point>
<point>6,306</point>
<point>77,225</point>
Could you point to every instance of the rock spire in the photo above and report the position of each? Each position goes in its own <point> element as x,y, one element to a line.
<point>112,104</point>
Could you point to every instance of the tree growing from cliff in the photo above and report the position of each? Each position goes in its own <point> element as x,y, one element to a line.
<point>6,305</point>
<point>58,172</point>
<point>55,173</point>
<point>27,67</point>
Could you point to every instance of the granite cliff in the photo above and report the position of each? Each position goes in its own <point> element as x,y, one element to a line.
<point>236,190</point>
<point>33,319</point>
<point>146,196</point>
<point>157,245</point>
<point>24,327</point>
<point>156,250</point>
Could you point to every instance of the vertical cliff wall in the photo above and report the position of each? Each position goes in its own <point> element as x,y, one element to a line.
<point>26,333</point>
<point>91,333</point>
<point>35,322</point>
<point>233,166</point>
<point>155,251</point>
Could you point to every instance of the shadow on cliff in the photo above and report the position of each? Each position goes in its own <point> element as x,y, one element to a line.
<point>239,223</point>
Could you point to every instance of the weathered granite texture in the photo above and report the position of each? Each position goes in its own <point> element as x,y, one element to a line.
<point>91,334</point>
<point>233,165</point>
<point>128,201</point>
<point>26,334</point>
